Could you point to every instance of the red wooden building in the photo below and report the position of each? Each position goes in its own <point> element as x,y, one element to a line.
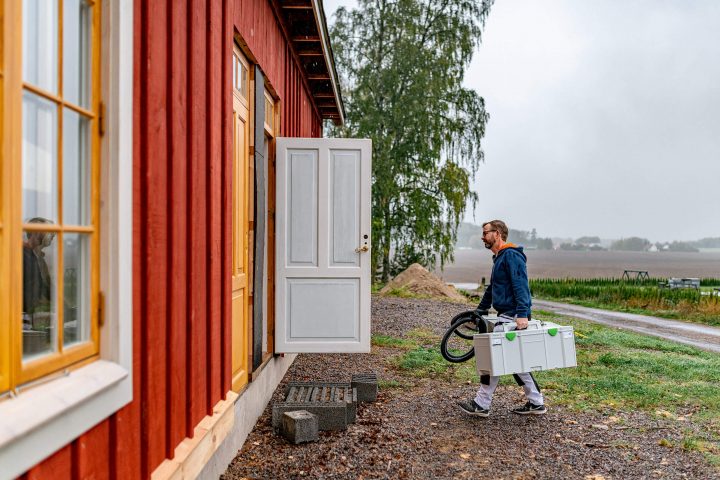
<point>137,206</point>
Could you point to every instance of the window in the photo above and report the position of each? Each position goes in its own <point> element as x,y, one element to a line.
<point>60,373</point>
<point>269,115</point>
<point>50,221</point>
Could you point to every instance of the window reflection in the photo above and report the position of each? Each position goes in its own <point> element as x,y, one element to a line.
<point>76,61</point>
<point>39,157</point>
<point>40,43</point>
<point>76,288</point>
<point>39,297</point>
<point>76,168</point>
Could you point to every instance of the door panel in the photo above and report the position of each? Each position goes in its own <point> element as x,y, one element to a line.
<point>332,298</point>
<point>302,202</point>
<point>345,207</point>
<point>322,244</point>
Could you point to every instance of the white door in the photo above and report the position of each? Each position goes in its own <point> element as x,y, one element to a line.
<point>323,245</point>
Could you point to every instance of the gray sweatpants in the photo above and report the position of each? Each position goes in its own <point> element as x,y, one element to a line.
<point>526,380</point>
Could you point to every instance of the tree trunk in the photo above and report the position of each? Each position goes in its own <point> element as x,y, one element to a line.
<point>386,244</point>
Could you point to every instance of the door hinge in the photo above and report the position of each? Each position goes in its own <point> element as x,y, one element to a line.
<point>101,309</point>
<point>101,119</point>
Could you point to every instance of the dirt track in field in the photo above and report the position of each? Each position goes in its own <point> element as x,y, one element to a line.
<point>471,265</point>
<point>700,336</point>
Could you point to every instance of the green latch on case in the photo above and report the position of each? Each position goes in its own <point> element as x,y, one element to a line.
<point>510,336</point>
<point>552,331</point>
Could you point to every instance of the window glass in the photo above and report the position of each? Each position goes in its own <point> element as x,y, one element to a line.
<point>76,287</point>
<point>40,43</point>
<point>39,158</point>
<point>76,168</point>
<point>243,80</point>
<point>234,71</point>
<point>39,318</point>
<point>77,27</point>
<point>269,112</point>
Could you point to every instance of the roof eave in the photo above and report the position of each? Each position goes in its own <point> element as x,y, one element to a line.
<point>329,59</point>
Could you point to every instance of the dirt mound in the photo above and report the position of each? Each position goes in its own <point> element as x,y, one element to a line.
<point>416,279</point>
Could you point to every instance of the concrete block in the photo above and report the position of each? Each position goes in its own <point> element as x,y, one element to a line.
<point>366,385</point>
<point>331,415</point>
<point>300,426</point>
<point>349,396</point>
<point>335,404</point>
<point>298,389</point>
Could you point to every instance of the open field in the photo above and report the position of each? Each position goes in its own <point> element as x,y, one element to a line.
<point>471,265</point>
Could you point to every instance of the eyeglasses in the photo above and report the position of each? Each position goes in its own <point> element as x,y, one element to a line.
<point>485,232</point>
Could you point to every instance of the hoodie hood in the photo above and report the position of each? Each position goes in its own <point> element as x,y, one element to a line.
<point>510,246</point>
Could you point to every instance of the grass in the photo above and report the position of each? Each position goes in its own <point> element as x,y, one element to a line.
<point>390,384</point>
<point>627,371</point>
<point>617,370</point>
<point>422,358</point>
<point>692,443</point>
<point>391,342</point>
<point>401,292</point>
<point>635,297</point>
<point>404,292</point>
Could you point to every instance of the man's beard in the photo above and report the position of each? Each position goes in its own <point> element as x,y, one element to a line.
<point>488,245</point>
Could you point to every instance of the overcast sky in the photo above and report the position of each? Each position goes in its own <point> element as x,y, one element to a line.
<point>604,117</point>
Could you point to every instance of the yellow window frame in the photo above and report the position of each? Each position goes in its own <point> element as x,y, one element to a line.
<point>270,115</point>
<point>13,371</point>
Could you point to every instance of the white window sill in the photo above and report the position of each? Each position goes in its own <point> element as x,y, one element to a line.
<point>42,419</point>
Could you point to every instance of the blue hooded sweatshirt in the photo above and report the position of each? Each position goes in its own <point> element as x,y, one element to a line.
<point>509,291</point>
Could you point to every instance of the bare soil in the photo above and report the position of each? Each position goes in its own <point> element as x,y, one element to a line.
<point>417,280</point>
<point>471,265</point>
<point>415,430</point>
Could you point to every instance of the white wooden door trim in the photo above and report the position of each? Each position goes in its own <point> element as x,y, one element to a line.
<point>328,270</point>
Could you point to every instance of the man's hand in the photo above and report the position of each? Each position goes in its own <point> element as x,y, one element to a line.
<point>522,323</point>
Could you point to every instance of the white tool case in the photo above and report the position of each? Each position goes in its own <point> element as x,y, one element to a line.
<point>542,346</point>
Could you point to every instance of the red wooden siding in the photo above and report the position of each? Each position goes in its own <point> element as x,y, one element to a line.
<point>57,467</point>
<point>181,226</point>
<point>256,22</point>
<point>177,382</point>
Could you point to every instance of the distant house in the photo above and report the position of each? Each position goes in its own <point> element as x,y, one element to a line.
<point>149,240</point>
<point>653,248</point>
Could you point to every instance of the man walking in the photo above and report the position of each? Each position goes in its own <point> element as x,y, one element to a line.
<point>509,294</point>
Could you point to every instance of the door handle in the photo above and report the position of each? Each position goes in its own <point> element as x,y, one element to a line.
<point>362,249</point>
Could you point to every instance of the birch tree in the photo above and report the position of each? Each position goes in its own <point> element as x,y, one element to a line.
<point>402,64</point>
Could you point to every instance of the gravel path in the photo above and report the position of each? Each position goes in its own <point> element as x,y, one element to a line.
<point>418,432</point>
<point>697,335</point>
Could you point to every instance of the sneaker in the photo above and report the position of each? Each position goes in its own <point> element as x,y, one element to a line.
<point>471,408</point>
<point>531,409</point>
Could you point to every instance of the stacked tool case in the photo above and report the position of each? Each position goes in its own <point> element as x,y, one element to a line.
<point>542,346</point>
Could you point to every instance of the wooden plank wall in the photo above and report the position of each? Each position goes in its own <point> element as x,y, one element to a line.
<point>182,238</point>
<point>256,22</point>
